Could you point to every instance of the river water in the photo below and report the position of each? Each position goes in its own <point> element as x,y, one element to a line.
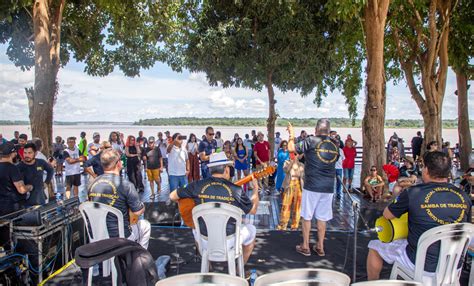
<point>228,132</point>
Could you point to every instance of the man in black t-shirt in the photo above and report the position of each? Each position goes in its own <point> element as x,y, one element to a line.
<point>321,154</point>
<point>154,166</point>
<point>33,170</point>
<point>218,188</point>
<point>12,189</point>
<point>207,146</point>
<point>111,189</point>
<point>433,203</point>
<point>416,144</point>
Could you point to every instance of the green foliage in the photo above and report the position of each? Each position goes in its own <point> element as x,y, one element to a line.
<point>244,42</point>
<point>283,122</point>
<point>103,34</point>
<point>461,38</point>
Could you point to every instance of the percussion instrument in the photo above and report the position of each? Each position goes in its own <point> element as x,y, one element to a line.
<point>393,229</point>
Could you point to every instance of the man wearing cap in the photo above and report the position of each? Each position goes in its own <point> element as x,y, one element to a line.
<point>93,166</point>
<point>218,188</point>
<point>321,154</point>
<point>12,188</point>
<point>32,170</point>
<point>94,146</point>
<point>154,166</point>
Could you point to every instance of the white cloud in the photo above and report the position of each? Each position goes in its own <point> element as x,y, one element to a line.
<point>157,93</point>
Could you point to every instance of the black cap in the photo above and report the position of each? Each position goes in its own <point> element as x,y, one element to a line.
<point>7,148</point>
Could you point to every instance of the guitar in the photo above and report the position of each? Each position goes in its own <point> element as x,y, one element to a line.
<point>187,204</point>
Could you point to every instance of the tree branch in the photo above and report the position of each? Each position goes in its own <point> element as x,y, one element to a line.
<point>433,39</point>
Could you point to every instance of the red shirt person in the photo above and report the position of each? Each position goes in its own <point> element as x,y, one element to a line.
<point>348,164</point>
<point>262,156</point>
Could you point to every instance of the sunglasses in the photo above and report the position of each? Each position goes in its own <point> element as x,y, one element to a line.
<point>210,134</point>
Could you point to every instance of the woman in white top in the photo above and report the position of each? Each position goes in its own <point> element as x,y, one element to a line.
<point>192,148</point>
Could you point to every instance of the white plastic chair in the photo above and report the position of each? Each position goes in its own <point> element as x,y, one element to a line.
<point>208,279</point>
<point>304,276</point>
<point>387,283</point>
<point>454,239</point>
<point>215,216</point>
<point>95,218</point>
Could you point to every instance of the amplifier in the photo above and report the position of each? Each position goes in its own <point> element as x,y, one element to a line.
<point>162,213</point>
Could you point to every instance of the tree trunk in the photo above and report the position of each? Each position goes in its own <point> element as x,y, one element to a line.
<point>271,115</point>
<point>375,15</point>
<point>465,142</point>
<point>46,23</point>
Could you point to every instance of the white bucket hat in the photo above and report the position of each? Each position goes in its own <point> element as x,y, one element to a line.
<point>218,159</point>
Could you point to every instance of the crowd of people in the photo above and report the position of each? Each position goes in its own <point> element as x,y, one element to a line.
<point>311,169</point>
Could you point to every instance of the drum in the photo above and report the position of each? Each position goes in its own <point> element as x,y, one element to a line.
<point>390,230</point>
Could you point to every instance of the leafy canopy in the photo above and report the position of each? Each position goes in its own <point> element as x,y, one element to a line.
<point>294,43</point>
<point>103,34</point>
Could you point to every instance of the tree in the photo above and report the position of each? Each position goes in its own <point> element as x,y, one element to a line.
<point>254,44</point>
<point>103,34</point>
<point>373,14</point>
<point>418,44</point>
<point>461,52</point>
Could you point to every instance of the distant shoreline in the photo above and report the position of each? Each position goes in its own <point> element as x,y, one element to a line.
<point>248,122</point>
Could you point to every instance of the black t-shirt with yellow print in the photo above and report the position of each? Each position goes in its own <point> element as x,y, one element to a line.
<point>321,154</point>
<point>216,190</point>
<point>115,191</point>
<point>430,205</point>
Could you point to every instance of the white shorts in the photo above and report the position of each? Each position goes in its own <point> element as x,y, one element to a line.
<point>248,232</point>
<point>395,251</point>
<point>316,204</point>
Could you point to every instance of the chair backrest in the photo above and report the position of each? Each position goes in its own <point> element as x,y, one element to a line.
<point>303,276</point>
<point>454,240</point>
<point>95,219</point>
<point>387,283</point>
<point>203,279</point>
<point>215,216</point>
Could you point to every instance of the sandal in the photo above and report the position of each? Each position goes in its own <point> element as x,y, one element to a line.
<point>318,251</point>
<point>301,250</point>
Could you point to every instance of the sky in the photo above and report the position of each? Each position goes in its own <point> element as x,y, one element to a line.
<point>160,93</point>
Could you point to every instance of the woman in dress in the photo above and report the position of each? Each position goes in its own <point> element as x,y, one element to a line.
<point>241,162</point>
<point>282,157</point>
<point>133,153</point>
<point>58,151</point>
<point>192,148</point>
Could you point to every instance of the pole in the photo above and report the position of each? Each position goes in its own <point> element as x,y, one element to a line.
<point>356,221</point>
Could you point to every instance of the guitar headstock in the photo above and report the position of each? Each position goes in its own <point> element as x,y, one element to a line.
<point>265,172</point>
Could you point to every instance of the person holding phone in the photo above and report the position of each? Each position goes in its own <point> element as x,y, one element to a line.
<point>207,146</point>
<point>178,162</point>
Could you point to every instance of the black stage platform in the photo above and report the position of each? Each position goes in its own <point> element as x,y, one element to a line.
<point>275,250</point>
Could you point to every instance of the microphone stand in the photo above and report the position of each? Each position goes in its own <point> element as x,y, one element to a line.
<point>355,209</point>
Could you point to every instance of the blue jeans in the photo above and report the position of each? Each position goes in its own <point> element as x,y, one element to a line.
<point>205,171</point>
<point>338,181</point>
<point>177,182</point>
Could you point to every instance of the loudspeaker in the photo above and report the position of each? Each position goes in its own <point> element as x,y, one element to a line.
<point>163,213</point>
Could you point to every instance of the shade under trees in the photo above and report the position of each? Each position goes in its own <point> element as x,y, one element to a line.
<point>103,34</point>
